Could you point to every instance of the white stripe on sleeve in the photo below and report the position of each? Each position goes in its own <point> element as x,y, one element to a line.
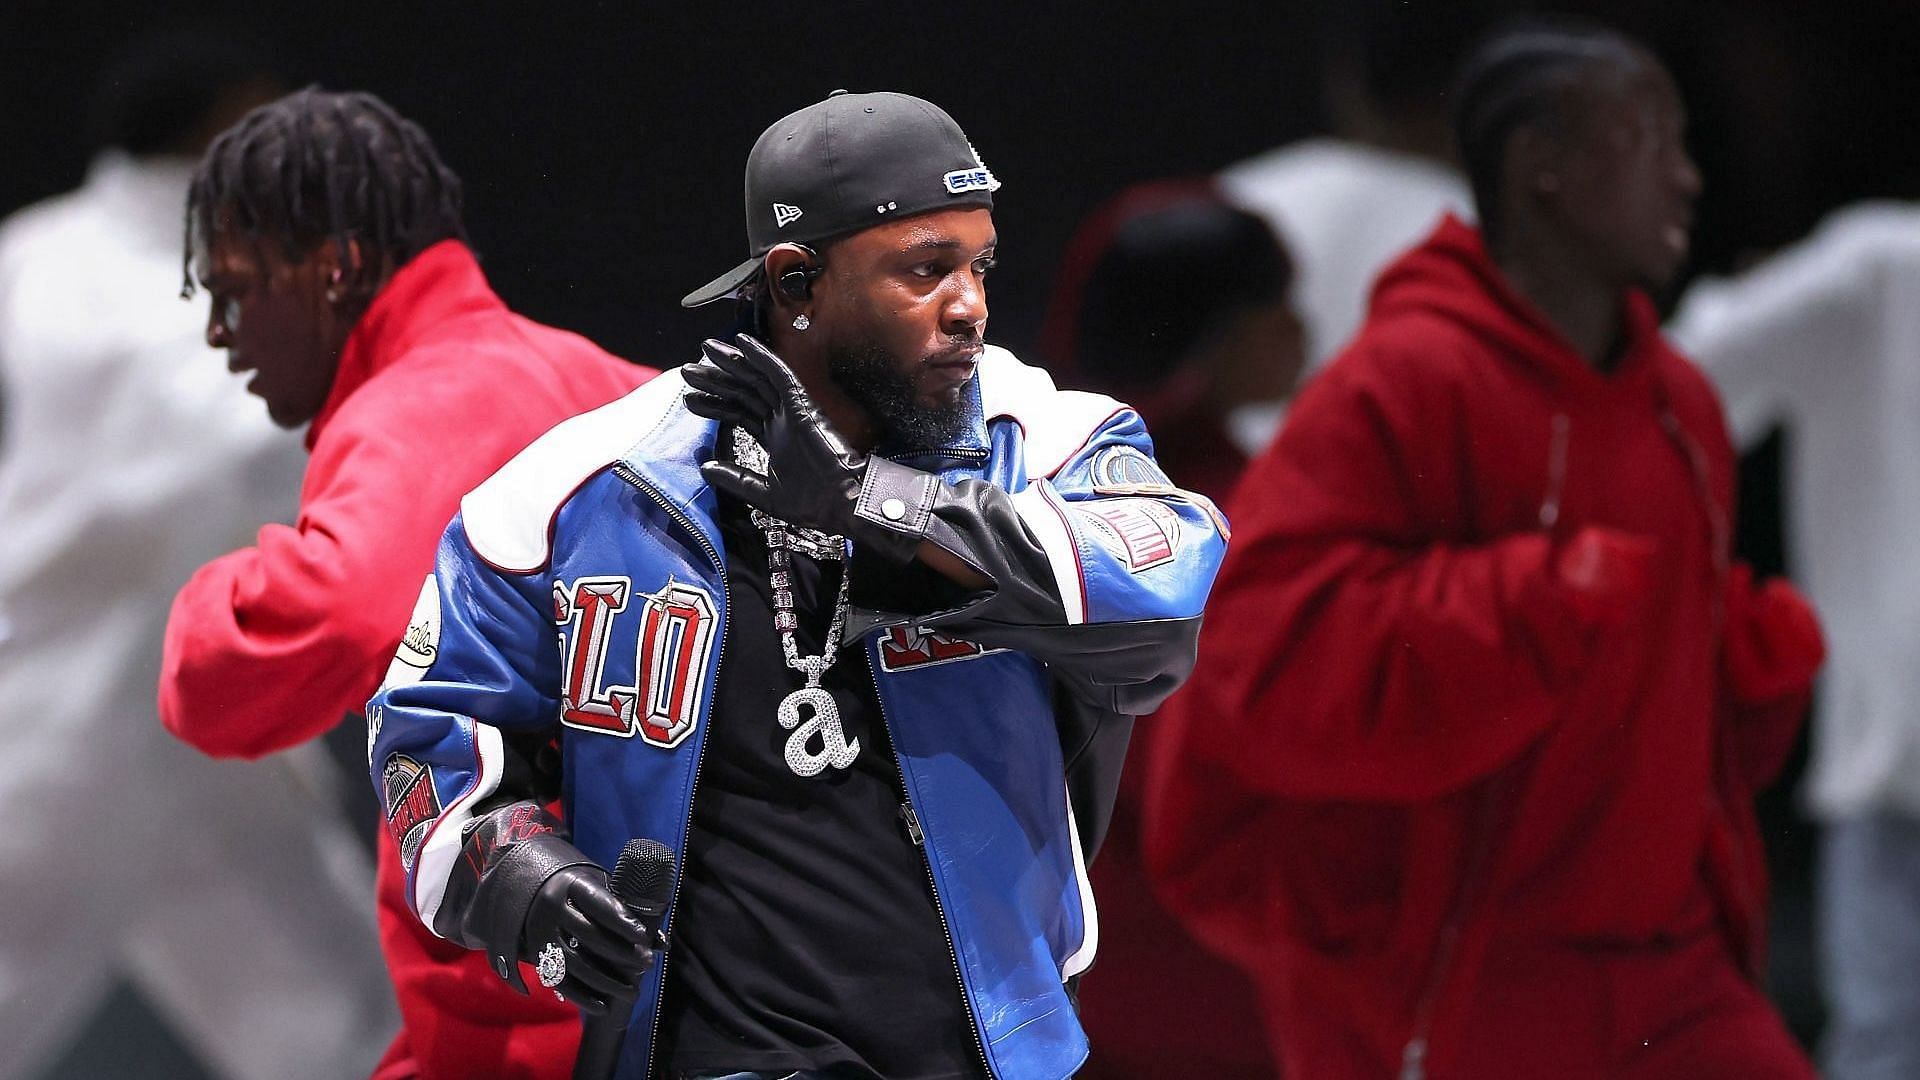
<point>442,846</point>
<point>1041,510</point>
<point>1082,958</point>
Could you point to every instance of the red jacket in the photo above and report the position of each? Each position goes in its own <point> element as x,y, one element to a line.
<point>272,645</point>
<point>1408,731</point>
<point>1155,1003</point>
<point>1203,1011</point>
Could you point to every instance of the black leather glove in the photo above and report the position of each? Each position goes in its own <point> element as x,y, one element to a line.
<point>520,887</point>
<point>602,947</point>
<point>813,478</point>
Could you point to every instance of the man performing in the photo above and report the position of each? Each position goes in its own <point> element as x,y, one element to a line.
<point>1176,301</point>
<point>880,874</point>
<point>328,234</point>
<point>1465,775</point>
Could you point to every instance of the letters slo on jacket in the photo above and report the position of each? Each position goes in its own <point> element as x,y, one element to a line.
<point>675,636</point>
<point>676,633</point>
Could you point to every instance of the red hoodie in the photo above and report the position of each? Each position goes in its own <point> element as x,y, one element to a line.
<point>1408,735</point>
<point>272,645</point>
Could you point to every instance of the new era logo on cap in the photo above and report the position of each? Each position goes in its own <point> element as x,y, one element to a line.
<point>784,215</point>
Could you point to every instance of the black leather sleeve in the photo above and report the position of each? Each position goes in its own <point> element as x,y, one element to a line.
<point>1122,667</point>
<point>1093,747</point>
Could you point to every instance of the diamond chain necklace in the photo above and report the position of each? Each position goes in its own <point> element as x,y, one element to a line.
<point>782,540</point>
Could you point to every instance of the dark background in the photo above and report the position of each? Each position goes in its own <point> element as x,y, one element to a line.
<point>602,145</point>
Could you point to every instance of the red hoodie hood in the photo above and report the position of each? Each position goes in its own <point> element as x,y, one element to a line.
<point>442,282</point>
<point>1451,276</point>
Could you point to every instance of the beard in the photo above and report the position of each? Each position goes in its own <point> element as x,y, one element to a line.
<point>878,381</point>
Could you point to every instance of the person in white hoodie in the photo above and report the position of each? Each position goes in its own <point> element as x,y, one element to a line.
<point>1346,203</point>
<point>1824,340</point>
<point>232,896</point>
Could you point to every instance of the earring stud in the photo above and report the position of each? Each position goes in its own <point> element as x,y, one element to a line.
<point>801,322</point>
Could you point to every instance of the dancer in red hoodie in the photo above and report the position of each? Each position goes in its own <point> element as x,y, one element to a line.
<point>328,234</point>
<point>1174,299</point>
<point>1464,776</point>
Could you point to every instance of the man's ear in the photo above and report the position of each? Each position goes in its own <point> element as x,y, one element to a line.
<point>342,269</point>
<point>1535,162</point>
<point>791,272</point>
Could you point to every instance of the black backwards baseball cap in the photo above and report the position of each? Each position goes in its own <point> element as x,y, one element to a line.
<point>846,164</point>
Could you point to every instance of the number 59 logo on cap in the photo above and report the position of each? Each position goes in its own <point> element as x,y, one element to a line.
<point>964,180</point>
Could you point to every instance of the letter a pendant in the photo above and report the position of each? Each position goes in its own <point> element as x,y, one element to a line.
<point>835,750</point>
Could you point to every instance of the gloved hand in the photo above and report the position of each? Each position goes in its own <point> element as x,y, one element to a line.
<point>813,478</point>
<point>1773,642</point>
<point>602,949</point>
<point>1606,574</point>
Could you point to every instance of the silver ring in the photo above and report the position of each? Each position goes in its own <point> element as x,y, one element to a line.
<point>552,965</point>
<point>573,943</point>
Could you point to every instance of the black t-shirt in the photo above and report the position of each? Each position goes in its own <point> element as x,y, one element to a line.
<point>807,935</point>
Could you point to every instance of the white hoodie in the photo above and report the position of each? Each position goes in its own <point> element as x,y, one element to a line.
<point>231,893</point>
<point>1824,339</point>
<point>1343,210</point>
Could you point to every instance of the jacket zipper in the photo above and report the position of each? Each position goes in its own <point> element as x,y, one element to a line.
<point>1743,893</point>
<point>700,760</point>
<point>965,453</point>
<point>1413,1056</point>
<point>968,452</point>
<point>1556,472</point>
<point>918,837</point>
<point>1718,527</point>
<point>1720,531</point>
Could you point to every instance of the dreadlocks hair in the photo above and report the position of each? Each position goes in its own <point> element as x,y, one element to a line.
<point>314,166</point>
<point>1523,75</point>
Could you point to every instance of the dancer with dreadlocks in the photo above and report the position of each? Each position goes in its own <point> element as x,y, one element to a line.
<point>1465,774</point>
<point>328,235</point>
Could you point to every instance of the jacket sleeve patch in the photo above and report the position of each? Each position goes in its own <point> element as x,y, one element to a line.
<point>1127,470</point>
<point>412,803</point>
<point>906,647</point>
<point>421,642</point>
<point>1142,533</point>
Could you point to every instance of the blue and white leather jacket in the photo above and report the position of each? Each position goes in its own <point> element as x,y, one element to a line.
<point>579,602</point>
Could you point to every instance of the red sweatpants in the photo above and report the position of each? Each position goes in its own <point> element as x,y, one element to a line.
<point>1681,1012</point>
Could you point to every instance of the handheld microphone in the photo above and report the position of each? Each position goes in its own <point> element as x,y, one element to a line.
<point>643,881</point>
